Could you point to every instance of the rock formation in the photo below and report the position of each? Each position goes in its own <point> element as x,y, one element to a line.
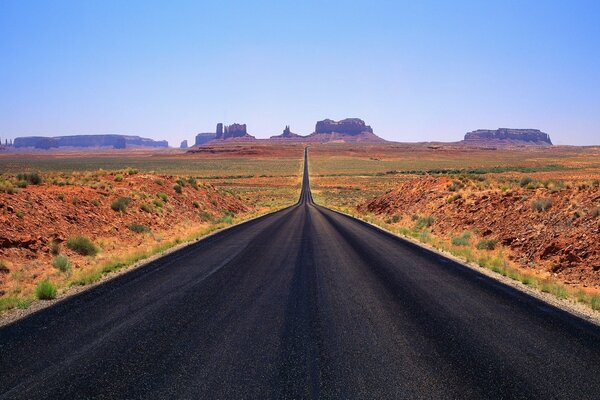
<point>111,140</point>
<point>287,134</point>
<point>348,126</point>
<point>516,136</point>
<point>202,138</point>
<point>346,130</point>
<point>232,131</point>
<point>184,145</point>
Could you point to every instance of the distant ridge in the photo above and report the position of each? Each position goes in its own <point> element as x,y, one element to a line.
<point>508,136</point>
<point>108,140</point>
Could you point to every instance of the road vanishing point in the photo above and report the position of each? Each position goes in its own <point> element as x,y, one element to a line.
<point>301,303</point>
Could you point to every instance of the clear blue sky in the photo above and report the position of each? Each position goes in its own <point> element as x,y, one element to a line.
<point>415,70</point>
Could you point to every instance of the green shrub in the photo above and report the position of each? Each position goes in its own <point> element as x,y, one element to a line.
<point>486,244</point>
<point>180,182</point>
<point>30,177</point>
<point>61,262</point>
<point>55,247</point>
<point>7,187</point>
<point>526,180</point>
<point>177,188</point>
<point>45,290</point>
<point>541,204</point>
<point>158,203</point>
<point>162,196</point>
<point>120,204</point>
<point>595,302</point>
<point>159,182</point>
<point>461,240</point>
<point>146,208</point>
<point>119,178</point>
<point>82,245</point>
<point>138,228</point>
<point>424,222</point>
<point>132,171</point>
<point>3,267</point>
<point>95,203</point>
<point>21,184</point>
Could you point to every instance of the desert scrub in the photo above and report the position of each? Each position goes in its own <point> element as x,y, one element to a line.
<point>205,216</point>
<point>82,245</point>
<point>61,262</point>
<point>486,244</point>
<point>45,290</point>
<point>526,180</point>
<point>177,188</point>
<point>158,203</point>
<point>162,196</point>
<point>7,187</point>
<point>146,208</point>
<point>540,205</point>
<point>196,204</point>
<point>462,240</point>
<point>120,204</point>
<point>138,228</point>
<point>424,222</point>
<point>119,178</point>
<point>55,247</point>
<point>30,177</point>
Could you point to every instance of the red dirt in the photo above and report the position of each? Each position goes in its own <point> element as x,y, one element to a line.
<point>36,215</point>
<point>563,241</point>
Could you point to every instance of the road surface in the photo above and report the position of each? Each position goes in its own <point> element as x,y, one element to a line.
<point>302,303</point>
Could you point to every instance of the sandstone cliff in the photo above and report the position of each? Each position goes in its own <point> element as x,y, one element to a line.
<point>111,140</point>
<point>516,136</point>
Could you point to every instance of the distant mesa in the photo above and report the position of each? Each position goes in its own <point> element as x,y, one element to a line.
<point>224,132</point>
<point>202,138</point>
<point>508,136</point>
<point>86,141</point>
<point>346,130</point>
<point>184,144</point>
<point>287,134</point>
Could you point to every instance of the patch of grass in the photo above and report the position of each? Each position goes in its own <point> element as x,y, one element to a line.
<point>146,208</point>
<point>82,245</point>
<point>55,247</point>
<point>158,203</point>
<point>424,222</point>
<point>462,240</point>
<point>162,196</point>
<point>45,290</point>
<point>61,262</point>
<point>540,205</point>
<point>205,216</point>
<point>595,302</point>
<point>30,177</point>
<point>120,204</point>
<point>486,244</point>
<point>526,180</point>
<point>138,228</point>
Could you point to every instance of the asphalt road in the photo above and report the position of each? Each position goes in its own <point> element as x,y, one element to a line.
<point>302,303</point>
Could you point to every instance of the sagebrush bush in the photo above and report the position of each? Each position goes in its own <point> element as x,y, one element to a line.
<point>178,188</point>
<point>45,290</point>
<point>162,196</point>
<point>424,222</point>
<point>61,262</point>
<point>541,204</point>
<point>526,180</point>
<point>119,178</point>
<point>138,228</point>
<point>120,204</point>
<point>82,245</point>
<point>486,244</point>
<point>461,240</point>
<point>30,177</point>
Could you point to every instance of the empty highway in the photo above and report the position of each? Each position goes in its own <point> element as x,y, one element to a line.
<point>301,303</point>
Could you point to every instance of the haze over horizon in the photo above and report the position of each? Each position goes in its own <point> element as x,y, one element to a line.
<point>414,72</point>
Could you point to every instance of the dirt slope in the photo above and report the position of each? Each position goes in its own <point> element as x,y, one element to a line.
<point>550,230</point>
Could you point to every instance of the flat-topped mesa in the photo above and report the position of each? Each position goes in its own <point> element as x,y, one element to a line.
<point>525,136</point>
<point>202,138</point>
<point>348,126</point>
<point>109,140</point>
<point>232,131</point>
